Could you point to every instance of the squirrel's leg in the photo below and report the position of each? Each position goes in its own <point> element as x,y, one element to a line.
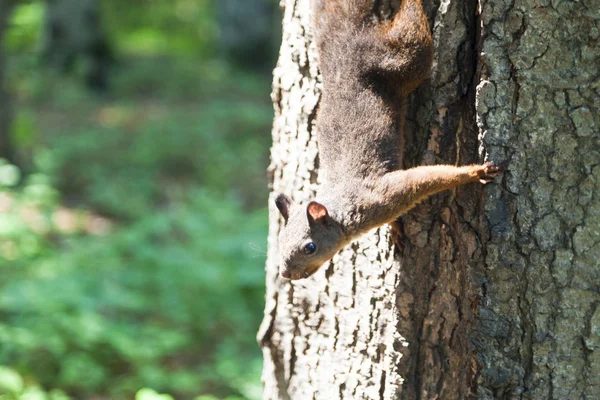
<point>335,14</point>
<point>409,46</point>
<point>403,189</point>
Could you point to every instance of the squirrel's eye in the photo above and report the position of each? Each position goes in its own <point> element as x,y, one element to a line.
<point>310,248</point>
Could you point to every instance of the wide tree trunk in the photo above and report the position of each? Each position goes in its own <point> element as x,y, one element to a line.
<point>7,150</point>
<point>73,30</point>
<point>488,294</point>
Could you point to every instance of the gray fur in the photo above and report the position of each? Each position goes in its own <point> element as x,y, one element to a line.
<point>368,67</point>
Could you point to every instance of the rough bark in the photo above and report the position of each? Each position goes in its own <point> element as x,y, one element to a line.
<point>538,331</point>
<point>7,150</point>
<point>73,30</point>
<point>477,293</point>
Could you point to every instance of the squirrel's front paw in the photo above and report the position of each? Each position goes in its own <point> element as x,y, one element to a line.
<point>486,172</point>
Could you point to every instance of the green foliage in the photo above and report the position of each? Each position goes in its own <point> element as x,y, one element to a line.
<point>9,174</point>
<point>147,305</point>
<point>12,387</point>
<point>132,248</point>
<point>10,381</point>
<point>24,134</point>
<point>175,27</point>
<point>149,394</point>
<point>26,24</point>
<point>218,146</point>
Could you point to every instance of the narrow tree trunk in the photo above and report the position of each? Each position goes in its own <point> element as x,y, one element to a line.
<point>247,31</point>
<point>488,294</point>
<point>73,30</point>
<point>7,150</point>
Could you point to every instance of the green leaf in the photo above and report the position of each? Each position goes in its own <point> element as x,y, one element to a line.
<point>9,175</point>
<point>149,394</point>
<point>10,381</point>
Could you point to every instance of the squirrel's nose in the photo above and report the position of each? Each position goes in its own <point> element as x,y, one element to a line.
<point>286,274</point>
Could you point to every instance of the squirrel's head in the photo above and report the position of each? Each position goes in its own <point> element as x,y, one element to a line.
<point>309,238</point>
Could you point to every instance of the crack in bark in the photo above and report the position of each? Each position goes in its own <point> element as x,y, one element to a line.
<point>587,352</point>
<point>382,385</point>
<point>528,329</point>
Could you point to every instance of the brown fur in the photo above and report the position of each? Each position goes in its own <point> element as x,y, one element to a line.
<point>369,65</point>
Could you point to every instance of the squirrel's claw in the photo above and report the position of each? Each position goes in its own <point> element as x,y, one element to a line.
<point>488,172</point>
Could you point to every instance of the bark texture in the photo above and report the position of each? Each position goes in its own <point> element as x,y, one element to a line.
<point>7,150</point>
<point>538,331</point>
<point>489,294</point>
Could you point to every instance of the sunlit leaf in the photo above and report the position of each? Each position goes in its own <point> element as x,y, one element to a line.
<point>10,380</point>
<point>9,175</point>
<point>149,394</point>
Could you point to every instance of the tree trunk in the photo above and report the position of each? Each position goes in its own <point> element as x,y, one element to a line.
<point>7,150</point>
<point>247,33</point>
<point>73,30</point>
<point>488,294</point>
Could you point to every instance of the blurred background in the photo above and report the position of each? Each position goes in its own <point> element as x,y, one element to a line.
<point>134,140</point>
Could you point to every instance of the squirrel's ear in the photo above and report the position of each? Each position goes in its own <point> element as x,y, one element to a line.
<point>317,213</point>
<point>283,203</point>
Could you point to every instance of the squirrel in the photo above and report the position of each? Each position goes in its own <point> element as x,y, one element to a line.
<point>369,63</point>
